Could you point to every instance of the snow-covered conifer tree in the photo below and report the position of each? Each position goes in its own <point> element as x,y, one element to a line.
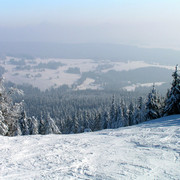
<point>124,114</point>
<point>3,126</point>
<point>51,127</point>
<point>67,125</point>
<point>153,105</point>
<point>87,122</point>
<point>139,114</point>
<point>75,124</point>
<point>113,114</point>
<point>23,124</point>
<point>105,120</point>
<point>119,122</point>
<point>131,114</point>
<point>172,103</point>
<point>35,126</point>
<point>9,113</point>
<point>97,122</point>
<point>80,122</point>
<point>42,125</point>
<point>86,118</point>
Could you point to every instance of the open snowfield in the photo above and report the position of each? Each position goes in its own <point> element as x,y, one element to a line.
<point>21,71</point>
<point>134,86</point>
<point>147,151</point>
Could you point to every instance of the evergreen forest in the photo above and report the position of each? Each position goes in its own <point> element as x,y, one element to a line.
<point>25,110</point>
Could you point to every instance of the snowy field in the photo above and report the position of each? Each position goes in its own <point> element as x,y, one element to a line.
<point>134,86</point>
<point>21,71</point>
<point>146,151</point>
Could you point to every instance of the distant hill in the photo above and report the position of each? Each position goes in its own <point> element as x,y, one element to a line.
<point>91,51</point>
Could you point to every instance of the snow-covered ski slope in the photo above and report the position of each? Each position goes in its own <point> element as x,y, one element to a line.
<point>147,151</point>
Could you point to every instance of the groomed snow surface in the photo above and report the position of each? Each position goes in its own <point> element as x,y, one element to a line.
<point>146,151</point>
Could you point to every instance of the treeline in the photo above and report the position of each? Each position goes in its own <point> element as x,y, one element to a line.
<point>65,111</point>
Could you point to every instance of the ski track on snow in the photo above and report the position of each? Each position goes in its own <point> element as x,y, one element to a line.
<point>146,151</point>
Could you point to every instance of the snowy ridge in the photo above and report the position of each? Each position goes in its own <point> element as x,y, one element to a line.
<point>146,151</point>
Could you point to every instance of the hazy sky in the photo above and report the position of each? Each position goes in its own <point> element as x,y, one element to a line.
<point>152,23</point>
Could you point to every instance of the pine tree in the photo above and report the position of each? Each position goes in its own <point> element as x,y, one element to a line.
<point>153,105</point>
<point>51,127</point>
<point>86,120</point>
<point>35,126</point>
<point>67,125</point>
<point>23,124</point>
<point>6,110</point>
<point>113,114</point>
<point>10,112</point>
<point>75,124</point>
<point>80,122</point>
<point>120,122</point>
<point>105,120</point>
<point>18,131</point>
<point>124,114</point>
<point>131,114</point>
<point>97,122</point>
<point>172,103</point>
<point>139,114</point>
<point>3,126</point>
<point>42,125</point>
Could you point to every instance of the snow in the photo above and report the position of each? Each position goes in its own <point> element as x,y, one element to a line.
<point>88,84</point>
<point>45,78</point>
<point>131,65</point>
<point>146,151</point>
<point>134,86</point>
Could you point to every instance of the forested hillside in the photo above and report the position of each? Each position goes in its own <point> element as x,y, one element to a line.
<point>63,110</point>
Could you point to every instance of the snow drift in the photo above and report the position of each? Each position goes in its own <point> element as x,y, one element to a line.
<point>146,151</point>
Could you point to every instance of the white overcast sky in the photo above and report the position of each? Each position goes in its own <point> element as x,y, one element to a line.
<point>150,23</point>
